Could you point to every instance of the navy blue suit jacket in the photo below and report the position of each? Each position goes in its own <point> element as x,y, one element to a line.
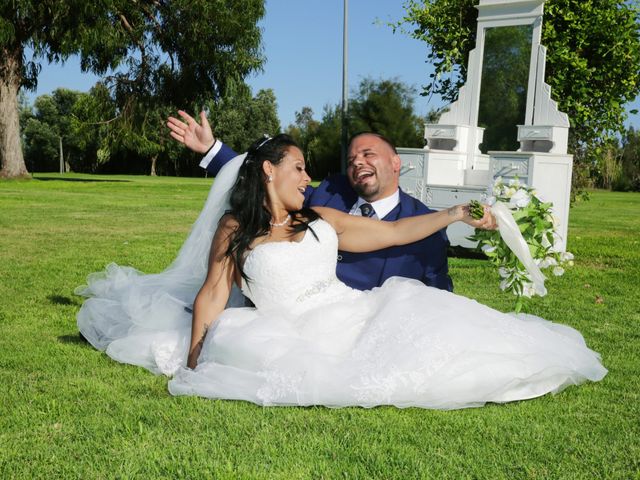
<point>425,260</point>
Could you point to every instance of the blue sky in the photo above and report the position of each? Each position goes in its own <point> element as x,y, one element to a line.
<point>303,48</point>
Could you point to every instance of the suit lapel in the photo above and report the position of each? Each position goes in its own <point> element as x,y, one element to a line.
<point>402,210</point>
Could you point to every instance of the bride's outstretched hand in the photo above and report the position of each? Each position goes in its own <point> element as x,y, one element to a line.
<point>193,135</point>
<point>487,222</point>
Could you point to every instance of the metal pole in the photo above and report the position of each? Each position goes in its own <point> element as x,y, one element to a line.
<point>345,92</point>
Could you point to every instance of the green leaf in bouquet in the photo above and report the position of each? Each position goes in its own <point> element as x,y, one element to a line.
<point>540,227</point>
<point>519,214</point>
<point>518,307</point>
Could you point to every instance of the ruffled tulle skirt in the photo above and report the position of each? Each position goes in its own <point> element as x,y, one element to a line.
<point>403,344</point>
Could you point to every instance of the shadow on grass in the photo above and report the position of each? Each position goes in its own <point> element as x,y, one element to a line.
<point>61,300</point>
<point>461,252</point>
<point>62,179</point>
<point>77,339</point>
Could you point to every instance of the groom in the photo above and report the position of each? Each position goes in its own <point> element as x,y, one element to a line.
<point>370,188</point>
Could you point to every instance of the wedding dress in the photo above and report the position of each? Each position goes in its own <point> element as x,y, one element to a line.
<point>312,340</point>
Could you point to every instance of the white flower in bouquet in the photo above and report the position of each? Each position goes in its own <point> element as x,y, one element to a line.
<point>519,199</point>
<point>528,290</point>
<point>486,248</point>
<point>539,228</point>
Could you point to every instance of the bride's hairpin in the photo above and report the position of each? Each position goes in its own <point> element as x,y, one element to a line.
<point>253,151</point>
<point>266,139</point>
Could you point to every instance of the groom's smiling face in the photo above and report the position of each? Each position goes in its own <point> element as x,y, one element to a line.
<point>373,167</point>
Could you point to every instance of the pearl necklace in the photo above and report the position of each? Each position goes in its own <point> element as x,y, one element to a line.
<point>281,224</point>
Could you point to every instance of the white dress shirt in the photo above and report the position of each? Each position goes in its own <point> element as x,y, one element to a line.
<point>213,151</point>
<point>382,207</point>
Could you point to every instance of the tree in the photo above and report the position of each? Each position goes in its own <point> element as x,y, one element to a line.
<point>593,61</point>
<point>49,137</point>
<point>630,159</point>
<point>319,140</point>
<point>381,106</point>
<point>305,132</point>
<point>161,53</point>
<point>386,107</point>
<point>41,137</point>
<point>240,117</point>
<point>326,151</point>
<point>91,128</point>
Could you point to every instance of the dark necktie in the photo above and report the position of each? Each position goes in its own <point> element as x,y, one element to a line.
<point>367,210</point>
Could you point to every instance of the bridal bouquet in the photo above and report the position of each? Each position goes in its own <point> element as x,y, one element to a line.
<point>538,227</point>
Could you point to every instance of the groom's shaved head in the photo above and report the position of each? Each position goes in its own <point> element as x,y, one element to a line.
<point>377,135</point>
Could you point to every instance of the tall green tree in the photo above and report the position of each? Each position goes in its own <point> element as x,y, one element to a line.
<point>386,107</point>
<point>630,159</point>
<point>304,131</point>
<point>593,61</point>
<point>90,121</point>
<point>326,151</point>
<point>240,117</point>
<point>47,133</point>
<point>159,53</point>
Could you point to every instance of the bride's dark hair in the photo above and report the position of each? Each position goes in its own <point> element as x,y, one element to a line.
<point>249,195</point>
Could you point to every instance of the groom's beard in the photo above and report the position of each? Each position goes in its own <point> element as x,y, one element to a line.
<point>367,192</point>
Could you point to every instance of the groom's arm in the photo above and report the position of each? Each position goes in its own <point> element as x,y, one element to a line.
<point>217,156</point>
<point>198,137</point>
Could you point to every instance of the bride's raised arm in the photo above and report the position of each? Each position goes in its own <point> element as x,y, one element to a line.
<point>214,293</point>
<point>360,234</point>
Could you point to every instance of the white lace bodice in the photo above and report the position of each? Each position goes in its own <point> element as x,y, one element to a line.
<point>296,276</point>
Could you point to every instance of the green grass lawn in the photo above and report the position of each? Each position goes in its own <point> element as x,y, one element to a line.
<point>68,411</point>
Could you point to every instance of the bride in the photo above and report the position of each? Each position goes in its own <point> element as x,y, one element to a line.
<point>312,340</point>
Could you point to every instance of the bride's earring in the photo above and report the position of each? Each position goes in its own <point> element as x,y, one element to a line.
<point>269,179</point>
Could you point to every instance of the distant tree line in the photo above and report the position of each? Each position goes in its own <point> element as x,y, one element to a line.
<point>79,128</point>
<point>84,132</point>
<point>619,165</point>
<point>82,129</point>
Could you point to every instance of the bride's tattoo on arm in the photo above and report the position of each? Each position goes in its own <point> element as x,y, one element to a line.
<point>452,211</point>
<point>201,341</point>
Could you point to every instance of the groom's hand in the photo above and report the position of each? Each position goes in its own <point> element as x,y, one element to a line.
<point>193,135</point>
